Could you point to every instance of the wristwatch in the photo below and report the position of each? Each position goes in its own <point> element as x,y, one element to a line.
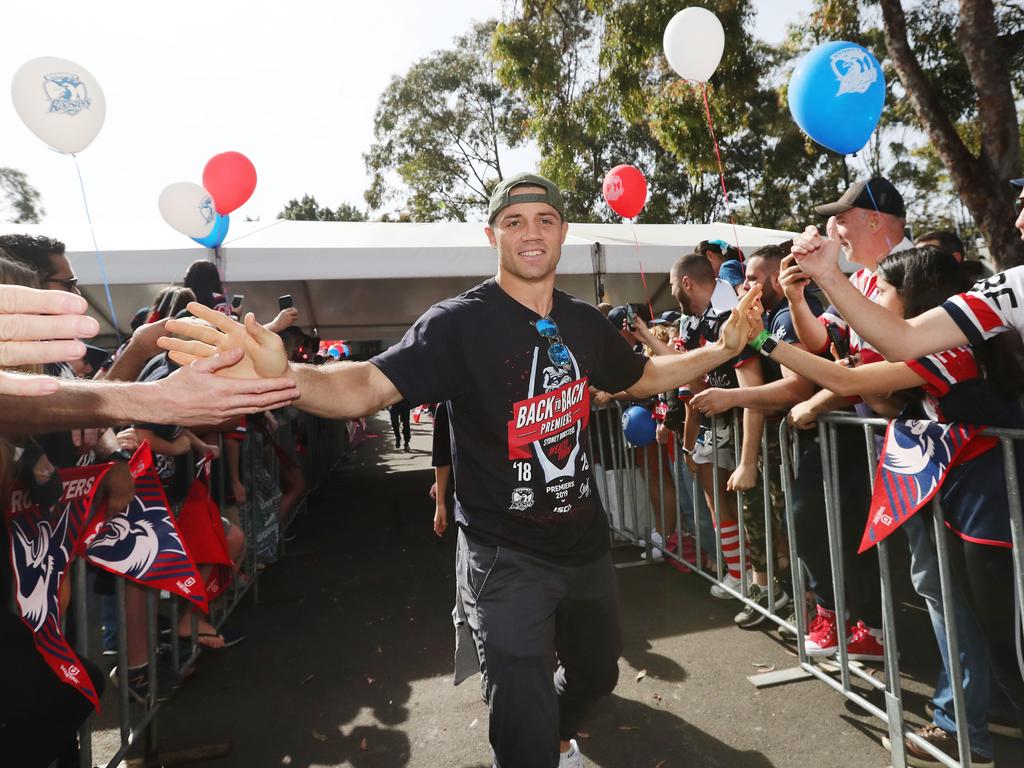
<point>120,454</point>
<point>765,343</point>
<point>768,346</point>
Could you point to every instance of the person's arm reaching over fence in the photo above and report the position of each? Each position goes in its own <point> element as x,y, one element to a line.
<point>870,379</point>
<point>337,391</point>
<point>191,395</point>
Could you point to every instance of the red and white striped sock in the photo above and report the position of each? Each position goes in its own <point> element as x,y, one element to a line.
<point>731,547</point>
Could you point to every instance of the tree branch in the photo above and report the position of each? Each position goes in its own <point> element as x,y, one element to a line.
<point>925,101</point>
<point>1000,135</point>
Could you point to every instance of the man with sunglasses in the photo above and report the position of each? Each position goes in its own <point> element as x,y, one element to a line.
<point>993,306</point>
<point>514,359</point>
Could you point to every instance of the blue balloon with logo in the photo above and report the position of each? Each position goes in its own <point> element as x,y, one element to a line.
<point>836,95</point>
<point>639,426</point>
<point>217,234</point>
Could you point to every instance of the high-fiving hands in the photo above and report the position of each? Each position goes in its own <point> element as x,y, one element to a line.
<point>263,351</point>
<point>744,322</point>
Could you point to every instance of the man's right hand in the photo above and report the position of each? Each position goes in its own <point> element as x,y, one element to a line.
<point>38,327</point>
<point>263,351</point>
<point>194,395</point>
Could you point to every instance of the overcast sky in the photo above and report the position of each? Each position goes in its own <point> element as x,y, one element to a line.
<point>292,85</point>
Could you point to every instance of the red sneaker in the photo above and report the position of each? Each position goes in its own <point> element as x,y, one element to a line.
<point>865,643</point>
<point>822,638</point>
<point>689,552</point>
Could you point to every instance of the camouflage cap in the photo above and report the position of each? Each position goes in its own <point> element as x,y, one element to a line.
<point>502,197</point>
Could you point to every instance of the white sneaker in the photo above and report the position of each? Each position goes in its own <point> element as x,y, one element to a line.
<point>573,758</point>
<point>730,581</point>
<point>657,545</point>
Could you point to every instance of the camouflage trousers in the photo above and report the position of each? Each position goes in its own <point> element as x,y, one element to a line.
<point>753,505</point>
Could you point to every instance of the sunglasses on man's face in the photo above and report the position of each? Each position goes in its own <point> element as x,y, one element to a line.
<point>66,283</point>
<point>1018,205</point>
<point>558,353</point>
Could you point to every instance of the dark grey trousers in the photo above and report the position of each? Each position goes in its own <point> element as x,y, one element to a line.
<point>549,637</point>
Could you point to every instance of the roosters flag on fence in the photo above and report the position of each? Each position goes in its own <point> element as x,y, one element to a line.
<point>143,542</point>
<point>44,540</point>
<point>203,531</point>
<point>915,460</point>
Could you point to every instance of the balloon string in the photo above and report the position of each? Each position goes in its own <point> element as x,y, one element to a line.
<point>721,170</point>
<point>871,196</point>
<point>99,256</point>
<point>643,275</point>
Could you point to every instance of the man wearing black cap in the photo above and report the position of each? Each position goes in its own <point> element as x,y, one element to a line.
<point>867,222</point>
<point>513,359</point>
<point>994,306</point>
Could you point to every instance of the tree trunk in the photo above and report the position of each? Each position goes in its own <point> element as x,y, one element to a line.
<point>981,182</point>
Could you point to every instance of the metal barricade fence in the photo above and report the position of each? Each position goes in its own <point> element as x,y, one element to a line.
<point>324,442</point>
<point>625,485</point>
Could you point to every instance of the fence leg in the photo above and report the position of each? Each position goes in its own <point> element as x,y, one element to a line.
<point>648,526</point>
<point>81,595</point>
<point>952,639</point>
<point>830,472</point>
<point>152,642</point>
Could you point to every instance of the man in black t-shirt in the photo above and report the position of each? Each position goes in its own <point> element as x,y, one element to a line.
<point>514,358</point>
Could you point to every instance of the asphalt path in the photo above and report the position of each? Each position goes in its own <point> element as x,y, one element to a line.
<point>348,660</point>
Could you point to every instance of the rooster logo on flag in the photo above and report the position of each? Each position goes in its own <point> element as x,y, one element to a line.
<point>915,460</point>
<point>43,543</point>
<point>143,542</point>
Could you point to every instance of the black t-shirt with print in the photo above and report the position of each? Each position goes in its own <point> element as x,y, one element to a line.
<point>521,451</point>
<point>706,330</point>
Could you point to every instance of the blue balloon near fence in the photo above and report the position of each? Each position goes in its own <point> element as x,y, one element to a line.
<point>639,426</point>
<point>836,95</point>
<point>217,234</point>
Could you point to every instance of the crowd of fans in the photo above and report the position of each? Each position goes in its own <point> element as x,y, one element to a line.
<point>819,364</point>
<point>809,358</point>
<point>40,714</point>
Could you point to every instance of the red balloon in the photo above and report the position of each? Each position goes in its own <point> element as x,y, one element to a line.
<point>230,178</point>
<point>625,190</point>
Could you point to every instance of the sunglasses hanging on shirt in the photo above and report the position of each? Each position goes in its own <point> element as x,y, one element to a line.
<point>558,353</point>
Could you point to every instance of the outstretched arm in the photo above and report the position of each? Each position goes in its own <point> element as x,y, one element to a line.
<point>666,372</point>
<point>192,395</point>
<point>343,390</point>
<point>870,379</point>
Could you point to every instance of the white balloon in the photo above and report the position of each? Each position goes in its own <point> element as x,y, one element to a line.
<point>188,208</point>
<point>694,42</point>
<point>60,102</point>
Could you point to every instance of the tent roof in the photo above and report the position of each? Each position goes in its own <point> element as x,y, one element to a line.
<point>344,276</point>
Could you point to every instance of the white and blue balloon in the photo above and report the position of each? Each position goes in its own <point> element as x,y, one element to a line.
<point>60,102</point>
<point>188,208</point>
<point>836,95</point>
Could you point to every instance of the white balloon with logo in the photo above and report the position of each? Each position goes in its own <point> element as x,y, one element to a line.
<point>188,208</point>
<point>694,42</point>
<point>60,102</point>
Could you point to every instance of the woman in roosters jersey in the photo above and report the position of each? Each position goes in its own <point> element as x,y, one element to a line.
<point>952,386</point>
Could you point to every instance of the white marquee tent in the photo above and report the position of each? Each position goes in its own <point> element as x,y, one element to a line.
<point>363,281</point>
